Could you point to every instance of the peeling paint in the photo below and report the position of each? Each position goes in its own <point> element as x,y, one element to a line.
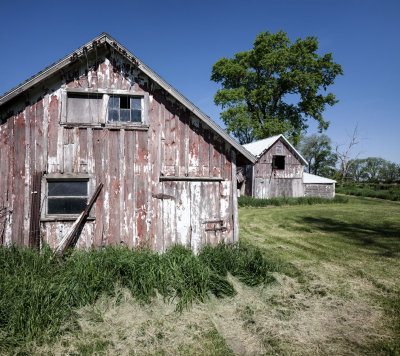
<point>131,208</point>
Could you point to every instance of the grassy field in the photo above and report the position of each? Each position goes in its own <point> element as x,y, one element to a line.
<point>337,292</point>
<point>381,191</point>
<point>340,292</point>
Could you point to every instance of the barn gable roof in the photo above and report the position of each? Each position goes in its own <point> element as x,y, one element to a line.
<point>105,38</point>
<point>258,148</point>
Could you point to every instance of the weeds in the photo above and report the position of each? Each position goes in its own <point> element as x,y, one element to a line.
<point>372,191</point>
<point>38,295</point>
<point>244,201</point>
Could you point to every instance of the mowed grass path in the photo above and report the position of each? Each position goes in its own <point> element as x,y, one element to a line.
<point>337,292</point>
<point>343,263</point>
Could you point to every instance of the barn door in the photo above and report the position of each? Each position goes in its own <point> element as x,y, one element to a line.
<point>195,213</point>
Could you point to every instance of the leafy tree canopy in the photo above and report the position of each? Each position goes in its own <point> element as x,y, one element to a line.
<point>275,87</point>
<point>374,169</point>
<point>317,150</point>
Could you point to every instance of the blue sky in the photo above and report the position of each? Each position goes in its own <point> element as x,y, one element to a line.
<point>181,40</point>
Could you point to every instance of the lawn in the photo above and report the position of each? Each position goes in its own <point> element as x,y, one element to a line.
<point>340,289</point>
<point>336,292</point>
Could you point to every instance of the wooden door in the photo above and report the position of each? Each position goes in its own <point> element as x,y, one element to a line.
<point>196,213</point>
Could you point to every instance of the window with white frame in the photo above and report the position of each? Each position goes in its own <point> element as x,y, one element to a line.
<point>103,107</point>
<point>124,108</point>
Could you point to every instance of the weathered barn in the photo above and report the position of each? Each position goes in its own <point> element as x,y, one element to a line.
<point>100,115</point>
<point>277,172</point>
<point>316,186</point>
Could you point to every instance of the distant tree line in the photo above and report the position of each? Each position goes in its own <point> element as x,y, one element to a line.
<point>324,161</point>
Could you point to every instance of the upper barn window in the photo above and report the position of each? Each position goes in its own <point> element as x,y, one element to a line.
<point>103,107</point>
<point>278,162</point>
<point>123,108</point>
<point>83,108</point>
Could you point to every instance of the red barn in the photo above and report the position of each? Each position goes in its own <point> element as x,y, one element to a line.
<point>100,115</point>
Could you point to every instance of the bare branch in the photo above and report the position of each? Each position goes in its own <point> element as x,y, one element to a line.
<point>344,154</point>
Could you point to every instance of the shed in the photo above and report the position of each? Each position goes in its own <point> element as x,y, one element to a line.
<point>316,186</point>
<point>100,115</point>
<point>277,172</point>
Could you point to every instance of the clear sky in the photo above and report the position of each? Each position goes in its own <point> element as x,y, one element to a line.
<point>181,40</point>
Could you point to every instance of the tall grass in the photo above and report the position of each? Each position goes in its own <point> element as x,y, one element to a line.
<point>38,294</point>
<point>391,193</point>
<point>254,202</point>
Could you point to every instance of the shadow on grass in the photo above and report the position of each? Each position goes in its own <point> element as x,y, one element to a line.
<point>381,237</point>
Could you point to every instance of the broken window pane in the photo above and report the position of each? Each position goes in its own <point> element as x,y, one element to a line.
<point>124,102</point>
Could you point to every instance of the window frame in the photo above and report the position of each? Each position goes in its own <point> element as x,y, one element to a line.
<point>103,112</point>
<point>119,96</point>
<point>66,177</point>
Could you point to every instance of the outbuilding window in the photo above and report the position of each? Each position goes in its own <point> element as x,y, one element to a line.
<point>66,197</point>
<point>123,108</point>
<point>278,162</point>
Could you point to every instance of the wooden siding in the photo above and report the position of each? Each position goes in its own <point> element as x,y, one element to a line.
<point>135,208</point>
<point>319,190</point>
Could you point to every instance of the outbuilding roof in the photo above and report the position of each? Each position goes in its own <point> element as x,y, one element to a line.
<point>309,178</point>
<point>105,38</point>
<point>258,148</point>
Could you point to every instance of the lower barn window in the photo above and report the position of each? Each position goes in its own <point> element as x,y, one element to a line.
<point>278,162</point>
<point>125,108</point>
<point>67,197</point>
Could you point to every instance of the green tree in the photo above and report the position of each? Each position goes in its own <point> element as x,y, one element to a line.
<point>275,87</point>
<point>373,167</point>
<point>357,170</point>
<point>390,172</point>
<point>317,150</point>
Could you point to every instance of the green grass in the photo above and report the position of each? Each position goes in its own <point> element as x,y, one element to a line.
<point>347,253</point>
<point>38,295</point>
<point>244,201</point>
<point>381,191</point>
<point>337,290</point>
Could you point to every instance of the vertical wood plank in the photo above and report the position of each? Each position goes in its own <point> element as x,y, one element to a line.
<point>235,216</point>
<point>183,208</point>
<point>100,177</point>
<point>195,216</point>
<point>83,150</point>
<point>141,177</point>
<point>114,187</point>
<point>129,196</point>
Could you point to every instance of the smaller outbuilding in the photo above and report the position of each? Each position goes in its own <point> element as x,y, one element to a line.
<point>279,171</point>
<point>316,186</point>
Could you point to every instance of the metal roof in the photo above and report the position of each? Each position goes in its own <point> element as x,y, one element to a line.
<point>309,178</point>
<point>106,38</point>
<point>258,148</point>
